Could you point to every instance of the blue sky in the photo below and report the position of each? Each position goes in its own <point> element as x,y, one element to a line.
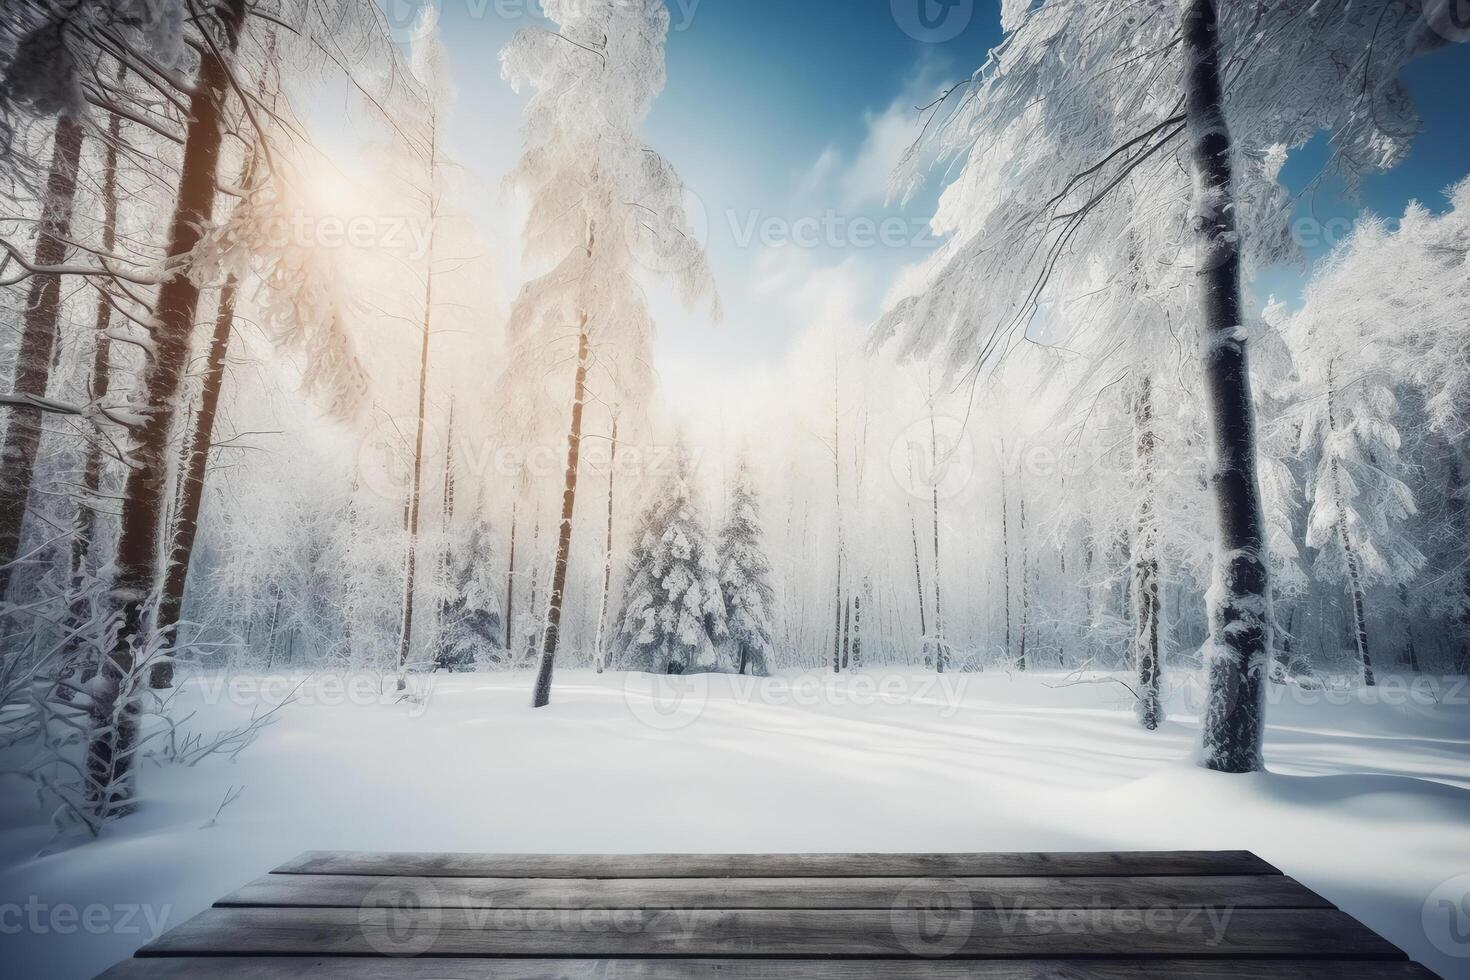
<point>795,110</point>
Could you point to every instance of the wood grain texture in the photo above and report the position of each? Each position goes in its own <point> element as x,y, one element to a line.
<point>1019,864</point>
<point>324,968</point>
<point>1275,933</point>
<point>1176,891</point>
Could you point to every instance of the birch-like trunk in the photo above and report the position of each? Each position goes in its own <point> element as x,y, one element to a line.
<point>38,343</point>
<point>940,651</point>
<point>541,697</point>
<point>1025,581</point>
<point>191,497</point>
<point>919,584</point>
<point>1240,616</point>
<point>1146,566</point>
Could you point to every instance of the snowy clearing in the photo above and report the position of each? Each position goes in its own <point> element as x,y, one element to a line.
<point>1367,800</point>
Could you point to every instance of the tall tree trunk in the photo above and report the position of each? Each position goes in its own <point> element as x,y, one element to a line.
<point>600,651</point>
<point>196,466</point>
<point>837,622</point>
<point>83,545</point>
<point>415,498</point>
<point>1146,566</point>
<point>919,583</point>
<point>115,709</point>
<point>541,697</point>
<point>1345,539</point>
<point>1005,550</point>
<point>857,627</point>
<point>446,564</point>
<point>38,343</point>
<point>1233,727</point>
<point>1025,580</point>
<point>941,651</point>
<point>510,585</point>
<point>1411,651</point>
<point>847,632</point>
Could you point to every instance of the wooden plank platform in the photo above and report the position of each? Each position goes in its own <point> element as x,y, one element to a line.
<point>1082,916</point>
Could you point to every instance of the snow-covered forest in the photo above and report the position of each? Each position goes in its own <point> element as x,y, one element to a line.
<point>292,385</point>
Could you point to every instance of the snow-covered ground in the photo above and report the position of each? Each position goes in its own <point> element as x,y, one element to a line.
<point>1367,801</point>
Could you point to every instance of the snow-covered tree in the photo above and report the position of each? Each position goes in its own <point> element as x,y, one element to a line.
<point>745,577</point>
<point>471,630</point>
<point>1190,109</point>
<point>603,206</point>
<point>673,614</point>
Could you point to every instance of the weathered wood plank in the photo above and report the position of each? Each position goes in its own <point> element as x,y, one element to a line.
<point>1019,864</point>
<point>318,968</point>
<point>1209,934</point>
<point>1177,891</point>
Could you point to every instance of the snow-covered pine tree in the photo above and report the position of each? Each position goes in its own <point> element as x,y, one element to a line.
<point>673,613</point>
<point>745,578</point>
<point>471,631</point>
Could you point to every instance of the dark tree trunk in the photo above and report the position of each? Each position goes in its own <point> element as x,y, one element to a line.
<point>510,586</point>
<point>1025,582</point>
<point>541,697</point>
<point>919,583</point>
<point>1146,567</point>
<point>38,344</point>
<point>1234,723</point>
<point>115,708</point>
<point>940,650</point>
<point>837,622</point>
<point>1411,651</point>
<point>857,628</point>
<point>1349,550</point>
<point>1005,550</point>
<point>600,651</point>
<point>415,498</point>
<point>847,633</point>
<point>196,465</point>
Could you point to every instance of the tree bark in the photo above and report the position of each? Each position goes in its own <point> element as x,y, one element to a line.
<point>1025,581</point>
<point>38,344</point>
<point>510,585</point>
<point>1233,727</point>
<point>600,652</point>
<point>415,499</point>
<point>1005,550</point>
<point>940,651</point>
<point>83,549</point>
<point>1146,567</point>
<point>541,697</point>
<point>1349,550</point>
<point>196,465</point>
<point>919,583</point>
<point>115,709</point>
